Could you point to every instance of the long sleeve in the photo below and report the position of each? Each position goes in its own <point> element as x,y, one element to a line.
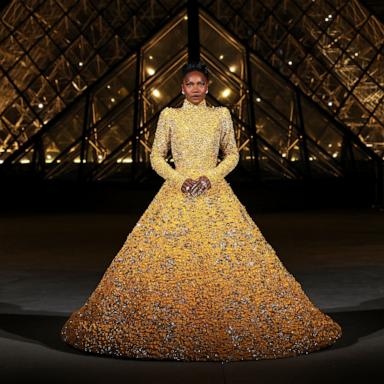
<point>160,148</point>
<point>228,147</point>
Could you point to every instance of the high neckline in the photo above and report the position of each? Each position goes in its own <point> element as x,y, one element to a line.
<point>189,105</point>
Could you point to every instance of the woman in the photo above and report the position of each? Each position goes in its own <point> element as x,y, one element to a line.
<point>195,279</point>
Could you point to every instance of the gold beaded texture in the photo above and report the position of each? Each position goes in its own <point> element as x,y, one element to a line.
<point>195,279</point>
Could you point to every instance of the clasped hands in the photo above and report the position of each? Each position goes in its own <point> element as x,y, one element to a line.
<point>196,187</point>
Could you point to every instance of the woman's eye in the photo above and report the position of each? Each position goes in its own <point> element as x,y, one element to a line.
<point>189,85</point>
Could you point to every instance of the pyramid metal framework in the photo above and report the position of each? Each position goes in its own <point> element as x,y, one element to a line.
<point>333,50</point>
<point>83,83</point>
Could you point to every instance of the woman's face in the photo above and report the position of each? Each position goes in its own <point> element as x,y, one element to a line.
<point>195,85</point>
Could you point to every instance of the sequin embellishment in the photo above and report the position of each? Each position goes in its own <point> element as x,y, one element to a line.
<point>195,279</point>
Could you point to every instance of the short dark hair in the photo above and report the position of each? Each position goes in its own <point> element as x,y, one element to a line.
<point>195,66</point>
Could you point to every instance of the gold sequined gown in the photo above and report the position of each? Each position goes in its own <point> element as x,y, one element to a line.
<point>195,279</point>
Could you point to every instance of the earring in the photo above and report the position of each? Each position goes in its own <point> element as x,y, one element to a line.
<point>183,92</point>
<point>206,91</point>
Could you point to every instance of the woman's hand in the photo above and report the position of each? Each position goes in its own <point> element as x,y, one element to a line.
<point>200,186</point>
<point>196,187</point>
<point>187,185</point>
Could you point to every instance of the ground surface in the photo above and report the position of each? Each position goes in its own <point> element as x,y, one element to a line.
<point>52,262</point>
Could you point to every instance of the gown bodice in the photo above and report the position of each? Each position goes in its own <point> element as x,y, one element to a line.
<point>195,134</point>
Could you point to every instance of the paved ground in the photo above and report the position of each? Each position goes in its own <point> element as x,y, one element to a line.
<point>52,262</point>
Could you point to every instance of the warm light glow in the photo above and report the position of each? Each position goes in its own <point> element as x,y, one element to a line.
<point>113,99</point>
<point>150,57</point>
<point>40,105</point>
<point>124,160</point>
<point>24,161</point>
<point>81,63</point>
<point>232,68</point>
<point>108,86</point>
<point>330,103</point>
<point>335,154</point>
<point>226,92</point>
<point>156,93</point>
<point>150,71</point>
<point>290,62</point>
<point>185,17</point>
<point>221,57</point>
<point>258,99</point>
